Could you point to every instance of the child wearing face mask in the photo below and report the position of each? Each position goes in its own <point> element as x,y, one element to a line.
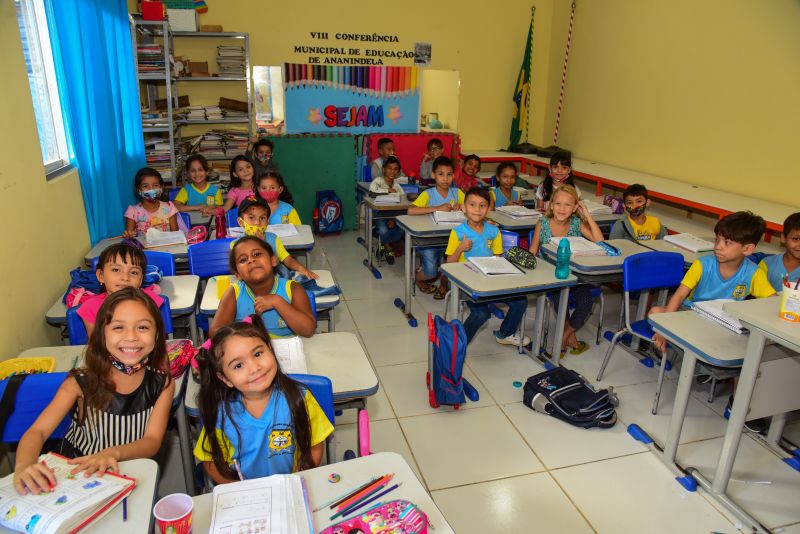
<point>151,212</point>
<point>272,188</point>
<point>637,226</point>
<point>262,157</point>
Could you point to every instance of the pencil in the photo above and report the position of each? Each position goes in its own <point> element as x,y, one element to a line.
<point>356,491</point>
<point>363,504</point>
<point>238,470</point>
<point>125,509</point>
<point>350,500</point>
<point>344,496</point>
<point>52,486</point>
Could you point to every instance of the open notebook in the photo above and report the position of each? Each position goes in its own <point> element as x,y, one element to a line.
<point>580,246</point>
<point>156,238</point>
<point>492,265</point>
<point>519,212</point>
<point>278,503</point>
<point>75,502</point>
<point>389,198</point>
<point>712,309</point>
<point>290,355</point>
<point>283,230</point>
<point>689,242</point>
<point>448,217</point>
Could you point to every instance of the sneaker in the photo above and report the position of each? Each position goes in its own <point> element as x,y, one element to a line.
<point>389,255</point>
<point>756,426</point>
<point>513,339</point>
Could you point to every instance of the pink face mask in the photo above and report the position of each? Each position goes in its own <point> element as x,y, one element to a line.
<point>270,196</point>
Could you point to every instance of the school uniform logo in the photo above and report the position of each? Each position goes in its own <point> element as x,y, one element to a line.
<point>739,291</point>
<point>280,440</point>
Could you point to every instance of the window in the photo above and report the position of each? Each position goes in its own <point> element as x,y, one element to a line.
<point>42,79</point>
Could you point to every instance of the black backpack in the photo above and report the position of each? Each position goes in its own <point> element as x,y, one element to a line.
<point>565,395</point>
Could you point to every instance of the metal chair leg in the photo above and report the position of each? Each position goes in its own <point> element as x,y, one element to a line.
<point>713,389</point>
<point>609,350</point>
<point>661,370</point>
<point>600,321</point>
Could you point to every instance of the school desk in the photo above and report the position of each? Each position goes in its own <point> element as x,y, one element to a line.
<point>140,502</point>
<point>767,385</point>
<point>69,356</point>
<point>337,355</point>
<point>420,231</point>
<point>373,211</point>
<point>181,291</point>
<point>479,287</point>
<point>689,257</point>
<point>597,269</point>
<point>300,244</point>
<point>178,251</point>
<point>325,304</point>
<point>353,474</point>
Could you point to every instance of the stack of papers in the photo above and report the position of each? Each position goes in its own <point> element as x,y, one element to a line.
<point>150,58</point>
<point>391,198</point>
<point>595,208</point>
<point>283,230</point>
<point>689,242</point>
<point>519,212</point>
<point>493,265</point>
<point>580,246</point>
<point>278,503</point>
<point>712,309</point>
<point>156,238</point>
<point>448,217</point>
<point>231,61</point>
<point>290,355</point>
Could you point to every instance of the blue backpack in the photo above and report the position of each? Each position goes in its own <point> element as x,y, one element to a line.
<point>329,206</point>
<point>447,352</point>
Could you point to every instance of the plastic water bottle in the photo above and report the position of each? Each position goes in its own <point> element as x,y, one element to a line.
<point>562,259</point>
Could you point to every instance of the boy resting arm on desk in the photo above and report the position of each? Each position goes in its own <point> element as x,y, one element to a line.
<point>726,274</point>
<point>476,238</point>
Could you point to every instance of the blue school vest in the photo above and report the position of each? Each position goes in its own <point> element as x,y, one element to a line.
<point>435,199</point>
<point>776,270</point>
<point>500,199</point>
<point>245,305</point>
<point>206,198</point>
<point>481,243</point>
<point>281,215</point>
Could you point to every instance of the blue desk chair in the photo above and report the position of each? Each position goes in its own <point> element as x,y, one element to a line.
<point>187,220</point>
<point>230,218</point>
<point>77,330</point>
<point>641,273</point>
<point>210,258</point>
<point>33,394</point>
<point>322,389</point>
<point>172,193</point>
<point>163,260</point>
<point>510,239</point>
<point>410,189</point>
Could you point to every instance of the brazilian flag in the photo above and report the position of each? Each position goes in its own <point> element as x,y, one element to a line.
<point>519,117</point>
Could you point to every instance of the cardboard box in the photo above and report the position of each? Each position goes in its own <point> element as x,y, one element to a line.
<point>211,28</point>
<point>198,66</point>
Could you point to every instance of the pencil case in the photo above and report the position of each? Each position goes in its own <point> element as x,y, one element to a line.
<point>521,258</point>
<point>398,517</point>
<point>611,250</point>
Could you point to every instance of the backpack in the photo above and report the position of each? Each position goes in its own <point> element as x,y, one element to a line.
<point>447,352</point>
<point>82,279</point>
<point>566,395</point>
<point>329,207</point>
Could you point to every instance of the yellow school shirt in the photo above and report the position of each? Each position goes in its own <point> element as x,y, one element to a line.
<point>488,242</point>
<point>183,195</point>
<point>647,231</point>
<point>424,198</point>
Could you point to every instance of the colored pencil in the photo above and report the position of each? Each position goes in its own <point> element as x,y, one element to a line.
<point>363,504</point>
<point>125,509</point>
<point>349,494</point>
<point>350,500</point>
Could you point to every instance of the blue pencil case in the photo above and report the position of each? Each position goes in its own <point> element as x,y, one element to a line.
<point>611,250</point>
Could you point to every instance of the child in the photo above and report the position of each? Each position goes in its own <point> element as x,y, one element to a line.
<point>272,188</point>
<point>262,157</point>
<point>119,402</point>
<point>151,212</point>
<point>778,265</point>
<point>637,226</point>
<point>505,194</point>
<point>467,176</point>
<point>435,149</point>
<point>119,266</point>
<point>567,216</point>
<point>391,235</point>
<point>385,149</point>
<point>198,195</point>
<point>282,304</point>
<point>443,197</point>
<point>477,238</point>
<point>560,174</point>
<point>257,421</point>
<point>254,216</point>
<point>242,181</point>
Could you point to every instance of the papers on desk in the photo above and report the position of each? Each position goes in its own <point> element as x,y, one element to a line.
<point>448,217</point>
<point>689,242</point>
<point>493,265</point>
<point>283,230</point>
<point>712,310</point>
<point>519,212</point>
<point>278,503</point>
<point>595,208</point>
<point>390,198</point>
<point>290,355</point>
<point>156,238</point>
<point>75,503</point>
<point>580,246</point>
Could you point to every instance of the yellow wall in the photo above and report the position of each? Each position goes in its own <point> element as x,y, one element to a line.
<point>45,234</point>
<point>483,41</point>
<point>703,92</point>
<point>439,94</point>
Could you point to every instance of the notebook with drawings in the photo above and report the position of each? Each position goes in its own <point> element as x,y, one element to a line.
<point>75,502</point>
<point>290,355</point>
<point>712,309</point>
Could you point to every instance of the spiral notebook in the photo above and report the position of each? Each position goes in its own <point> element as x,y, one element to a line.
<point>689,242</point>
<point>75,502</point>
<point>712,310</point>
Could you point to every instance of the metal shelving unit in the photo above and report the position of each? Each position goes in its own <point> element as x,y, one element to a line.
<point>147,32</point>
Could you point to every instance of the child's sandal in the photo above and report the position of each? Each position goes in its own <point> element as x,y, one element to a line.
<point>580,348</point>
<point>425,287</point>
<point>440,293</point>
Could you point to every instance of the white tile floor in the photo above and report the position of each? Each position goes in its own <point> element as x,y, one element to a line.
<point>496,466</point>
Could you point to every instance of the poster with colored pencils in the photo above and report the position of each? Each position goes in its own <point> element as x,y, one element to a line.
<point>351,99</point>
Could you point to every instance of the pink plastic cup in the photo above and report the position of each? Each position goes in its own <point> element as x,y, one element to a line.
<point>174,514</point>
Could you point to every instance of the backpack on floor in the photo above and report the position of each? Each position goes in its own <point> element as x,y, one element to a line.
<point>447,350</point>
<point>566,395</point>
<point>329,207</point>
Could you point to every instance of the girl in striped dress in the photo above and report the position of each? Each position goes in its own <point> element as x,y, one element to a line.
<point>119,402</point>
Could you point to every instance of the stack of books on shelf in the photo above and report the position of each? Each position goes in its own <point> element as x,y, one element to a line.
<point>157,152</point>
<point>194,113</point>
<point>154,119</point>
<point>150,58</point>
<point>209,145</point>
<point>213,113</point>
<point>236,142</point>
<point>231,61</point>
<point>233,109</point>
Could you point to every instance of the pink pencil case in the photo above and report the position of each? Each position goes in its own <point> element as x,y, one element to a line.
<point>394,517</point>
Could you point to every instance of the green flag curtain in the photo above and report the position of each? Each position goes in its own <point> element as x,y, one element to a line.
<point>519,118</point>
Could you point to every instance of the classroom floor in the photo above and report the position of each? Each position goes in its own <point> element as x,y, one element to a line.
<point>497,466</point>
